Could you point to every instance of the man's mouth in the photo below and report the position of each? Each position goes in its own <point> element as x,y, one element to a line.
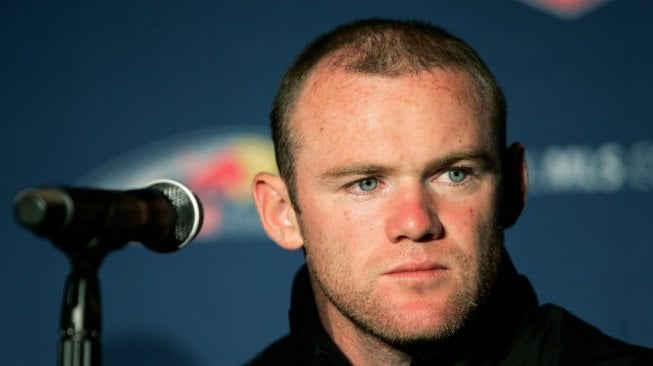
<point>417,270</point>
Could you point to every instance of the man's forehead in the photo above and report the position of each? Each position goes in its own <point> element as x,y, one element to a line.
<point>333,116</point>
<point>330,77</point>
<point>328,83</point>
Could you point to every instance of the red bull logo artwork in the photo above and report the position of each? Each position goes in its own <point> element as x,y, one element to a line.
<point>217,166</point>
<point>566,9</point>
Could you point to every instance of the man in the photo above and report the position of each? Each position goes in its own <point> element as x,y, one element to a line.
<point>396,181</point>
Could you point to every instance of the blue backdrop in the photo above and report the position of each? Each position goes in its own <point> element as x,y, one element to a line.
<point>117,93</point>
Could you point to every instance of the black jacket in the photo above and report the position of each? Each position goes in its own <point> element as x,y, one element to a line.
<point>510,329</point>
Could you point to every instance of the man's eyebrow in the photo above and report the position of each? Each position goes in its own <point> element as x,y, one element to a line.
<point>353,170</point>
<point>481,157</point>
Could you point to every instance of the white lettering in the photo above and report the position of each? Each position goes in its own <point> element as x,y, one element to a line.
<point>608,168</point>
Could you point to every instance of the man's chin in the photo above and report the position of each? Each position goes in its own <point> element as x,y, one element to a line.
<point>422,328</point>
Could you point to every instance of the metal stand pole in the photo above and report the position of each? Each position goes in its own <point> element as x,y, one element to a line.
<point>81,314</point>
<point>79,342</point>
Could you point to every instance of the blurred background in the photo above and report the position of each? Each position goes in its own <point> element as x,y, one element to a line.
<point>115,94</point>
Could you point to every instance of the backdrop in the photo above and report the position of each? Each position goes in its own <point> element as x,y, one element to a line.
<point>114,94</point>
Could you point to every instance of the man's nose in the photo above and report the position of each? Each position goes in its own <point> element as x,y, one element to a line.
<point>413,217</point>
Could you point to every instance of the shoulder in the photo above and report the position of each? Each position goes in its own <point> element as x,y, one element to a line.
<point>551,332</point>
<point>294,351</point>
<point>282,352</point>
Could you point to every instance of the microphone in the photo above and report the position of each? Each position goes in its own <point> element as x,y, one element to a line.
<point>164,216</point>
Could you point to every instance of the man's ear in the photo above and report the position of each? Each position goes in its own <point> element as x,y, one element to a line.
<point>276,212</point>
<point>515,184</point>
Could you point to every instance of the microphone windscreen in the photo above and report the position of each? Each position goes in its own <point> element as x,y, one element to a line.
<point>188,211</point>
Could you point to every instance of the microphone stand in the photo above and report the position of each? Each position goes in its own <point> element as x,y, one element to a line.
<point>87,224</point>
<point>81,314</point>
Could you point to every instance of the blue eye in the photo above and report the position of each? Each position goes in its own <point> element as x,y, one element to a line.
<point>457,175</point>
<point>368,184</point>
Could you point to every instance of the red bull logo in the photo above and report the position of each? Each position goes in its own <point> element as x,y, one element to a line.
<point>217,166</point>
<point>566,9</point>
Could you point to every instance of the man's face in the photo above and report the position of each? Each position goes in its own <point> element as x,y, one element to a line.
<point>397,182</point>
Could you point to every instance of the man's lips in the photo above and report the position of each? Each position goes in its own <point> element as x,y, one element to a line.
<point>417,270</point>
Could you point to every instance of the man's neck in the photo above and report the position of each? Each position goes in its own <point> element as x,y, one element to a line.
<point>360,348</point>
